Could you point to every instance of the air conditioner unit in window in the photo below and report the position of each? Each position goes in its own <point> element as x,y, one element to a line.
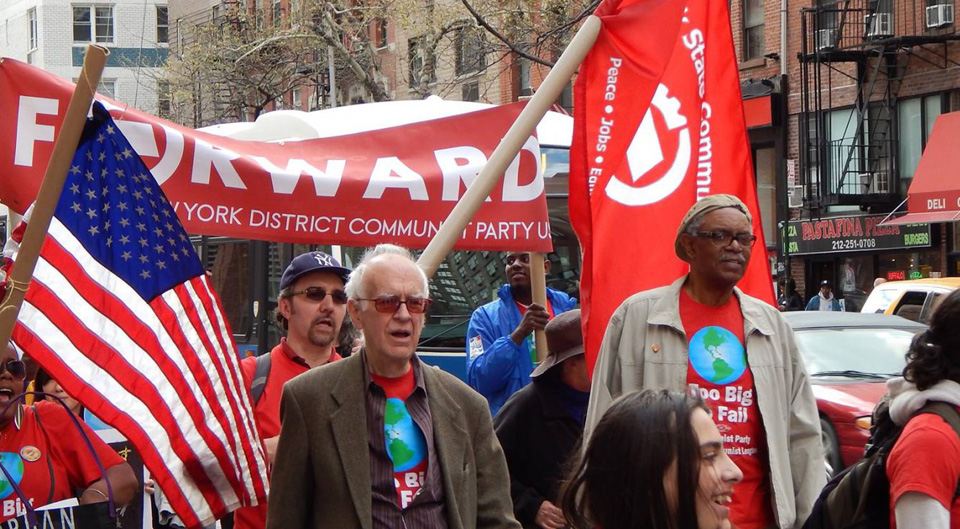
<point>826,39</point>
<point>939,16</point>
<point>879,25</point>
<point>795,197</point>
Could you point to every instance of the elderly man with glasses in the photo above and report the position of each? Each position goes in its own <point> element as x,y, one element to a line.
<point>311,308</point>
<point>705,334</point>
<point>380,440</point>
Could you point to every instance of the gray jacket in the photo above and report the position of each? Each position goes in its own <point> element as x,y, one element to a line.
<point>645,347</point>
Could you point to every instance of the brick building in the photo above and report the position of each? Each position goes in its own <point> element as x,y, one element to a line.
<point>53,35</point>
<point>840,97</point>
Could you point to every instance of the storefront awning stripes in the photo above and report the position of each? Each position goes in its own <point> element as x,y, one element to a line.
<point>934,194</point>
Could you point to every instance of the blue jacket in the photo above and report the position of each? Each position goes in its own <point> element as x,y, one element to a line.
<point>496,366</point>
<point>814,303</point>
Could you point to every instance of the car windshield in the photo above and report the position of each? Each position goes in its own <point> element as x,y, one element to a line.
<point>855,353</point>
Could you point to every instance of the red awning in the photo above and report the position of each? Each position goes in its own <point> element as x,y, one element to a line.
<point>934,194</point>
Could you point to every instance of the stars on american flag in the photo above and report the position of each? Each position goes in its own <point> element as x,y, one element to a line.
<point>118,212</point>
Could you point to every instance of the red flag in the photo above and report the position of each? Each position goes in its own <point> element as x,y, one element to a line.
<point>120,312</point>
<point>658,124</point>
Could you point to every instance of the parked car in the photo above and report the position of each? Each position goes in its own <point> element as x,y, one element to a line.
<point>914,299</point>
<point>849,356</point>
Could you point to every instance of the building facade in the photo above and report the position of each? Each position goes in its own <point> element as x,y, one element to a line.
<point>53,35</point>
<point>842,97</point>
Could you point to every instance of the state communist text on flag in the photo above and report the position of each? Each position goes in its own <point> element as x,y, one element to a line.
<point>121,314</point>
<point>658,124</point>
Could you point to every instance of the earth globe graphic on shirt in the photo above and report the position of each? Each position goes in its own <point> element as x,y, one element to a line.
<point>716,354</point>
<point>13,464</point>
<point>405,442</point>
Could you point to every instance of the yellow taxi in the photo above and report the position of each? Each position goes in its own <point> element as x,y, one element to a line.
<point>913,299</point>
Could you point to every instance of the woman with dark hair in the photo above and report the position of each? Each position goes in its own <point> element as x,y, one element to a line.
<point>924,465</point>
<point>642,436</point>
<point>45,383</point>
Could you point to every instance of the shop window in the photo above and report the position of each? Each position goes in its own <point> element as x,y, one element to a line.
<point>753,42</point>
<point>915,122</point>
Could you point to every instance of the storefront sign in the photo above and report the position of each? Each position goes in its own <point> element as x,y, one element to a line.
<point>896,275</point>
<point>852,234</point>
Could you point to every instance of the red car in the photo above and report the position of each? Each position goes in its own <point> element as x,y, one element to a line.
<point>849,356</point>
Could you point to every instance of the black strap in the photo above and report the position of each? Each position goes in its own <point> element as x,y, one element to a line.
<point>260,375</point>
<point>952,417</point>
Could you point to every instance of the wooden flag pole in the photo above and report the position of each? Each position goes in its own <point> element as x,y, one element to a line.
<point>56,174</point>
<point>538,287</point>
<point>509,146</point>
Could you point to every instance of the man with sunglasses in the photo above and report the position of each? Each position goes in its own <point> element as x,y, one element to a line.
<point>311,307</point>
<point>501,353</point>
<point>703,334</point>
<point>381,440</point>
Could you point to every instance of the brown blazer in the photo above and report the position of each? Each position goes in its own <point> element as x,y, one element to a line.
<point>321,476</point>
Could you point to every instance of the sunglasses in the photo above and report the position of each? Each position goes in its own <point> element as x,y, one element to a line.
<point>16,368</point>
<point>391,304</point>
<point>318,294</point>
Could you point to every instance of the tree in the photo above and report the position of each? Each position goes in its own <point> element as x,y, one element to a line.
<point>245,60</point>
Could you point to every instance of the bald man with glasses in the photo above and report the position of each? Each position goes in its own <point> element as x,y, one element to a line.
<point>381,440</point>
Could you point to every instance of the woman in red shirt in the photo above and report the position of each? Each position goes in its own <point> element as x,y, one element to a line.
<point>644,435</point>
<point>43,452</point>
<point>924,465</point>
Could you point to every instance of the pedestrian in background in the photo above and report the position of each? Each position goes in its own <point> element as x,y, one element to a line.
<point>500,347</point>
<point>824,300</point>
<point>540,426</point>
<point>656,459</point>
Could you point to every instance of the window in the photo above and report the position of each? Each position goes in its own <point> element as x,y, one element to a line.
<point>469,57</point>
<point>108,87</point>
<point>753,44</point>
<point>163,99</point>
<point>93,24</point>
<point>914,124</point>
<point>297,99</point>
<point>276,13</point>
<point>420,58</point>
<point>845,154</point>
<point>34,29</point>
<point>163,29</point>
<point>470,91</point>
<point>380,33</point>
<point>526,83</point>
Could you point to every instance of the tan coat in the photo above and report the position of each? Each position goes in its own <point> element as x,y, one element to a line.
<point>645,347</point>
<point>321,477</point>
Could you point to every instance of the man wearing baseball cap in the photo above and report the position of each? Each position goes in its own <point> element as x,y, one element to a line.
<point>310,307</point>
<point>737,352</point>
<point>824,300</point>
<point>540,426</point>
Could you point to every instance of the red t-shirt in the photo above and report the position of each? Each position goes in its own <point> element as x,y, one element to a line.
<point>48,458</point>
<point>533,343</point>
<point>406,445</point>
<point>718,369</point>
<point>926,459</point>
<point>284,365</point>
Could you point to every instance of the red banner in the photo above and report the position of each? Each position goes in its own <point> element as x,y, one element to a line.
<point>658,124</point>
<point>391,185</point>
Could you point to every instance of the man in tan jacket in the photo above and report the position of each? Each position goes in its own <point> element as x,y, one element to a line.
<point>703,333</point>
<point>380,440</point>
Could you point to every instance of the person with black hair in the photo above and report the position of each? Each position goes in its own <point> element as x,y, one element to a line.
<point>924,465</point>
<point>642,436</point>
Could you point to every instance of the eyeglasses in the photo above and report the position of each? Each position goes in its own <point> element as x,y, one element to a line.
<point>391,304</point>
<point>318,294</point>
<point>724,238</point>
<point>16,368</point>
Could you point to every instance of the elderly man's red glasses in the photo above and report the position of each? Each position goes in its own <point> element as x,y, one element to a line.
<point>391,304</point>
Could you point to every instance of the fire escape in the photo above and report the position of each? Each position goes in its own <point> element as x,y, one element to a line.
<point>854,57</point>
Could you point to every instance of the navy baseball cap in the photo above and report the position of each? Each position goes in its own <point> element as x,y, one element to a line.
<point>309,263</point>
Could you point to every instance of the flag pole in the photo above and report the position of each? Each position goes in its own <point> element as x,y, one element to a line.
<point>509,146</point>
<point>538,288</point>
<point>56,174</point>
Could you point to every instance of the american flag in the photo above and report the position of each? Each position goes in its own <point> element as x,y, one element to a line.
<point>121,314</point>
